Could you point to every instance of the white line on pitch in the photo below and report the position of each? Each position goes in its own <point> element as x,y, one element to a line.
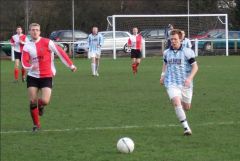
<point>122,127</point>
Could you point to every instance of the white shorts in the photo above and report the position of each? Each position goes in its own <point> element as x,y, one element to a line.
<point>185,93</point>
<point>94,54</point>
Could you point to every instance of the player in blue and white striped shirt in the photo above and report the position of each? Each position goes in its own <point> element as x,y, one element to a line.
<point>95,42</point>
<point>185,41</point>
<point>179,69</point>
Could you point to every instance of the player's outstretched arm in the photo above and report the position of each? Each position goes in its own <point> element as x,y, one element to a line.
<point>62,55</point>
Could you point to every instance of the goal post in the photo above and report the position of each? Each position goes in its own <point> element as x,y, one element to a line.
<point>158,20</point>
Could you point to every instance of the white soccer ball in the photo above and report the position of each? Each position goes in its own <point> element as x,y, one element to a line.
<point>125,145</point>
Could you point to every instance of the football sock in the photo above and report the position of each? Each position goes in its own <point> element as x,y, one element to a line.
<point>93,68</point>
<point>96,68</point>
<point>34,113</point>
<point>40,103</point>
<point>134,67</point>
<point>23,73</point>
<point>181,116</point>
<point>16,73</point>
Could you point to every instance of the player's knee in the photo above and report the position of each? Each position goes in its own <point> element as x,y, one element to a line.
<point>176,102</point>
<point>45,102</point>
<point>33,104</point>
<point>187,106</point>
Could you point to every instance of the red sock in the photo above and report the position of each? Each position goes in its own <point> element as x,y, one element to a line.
<point>16,73</point>
<point>133,66</point>
<point>34,114</point>
<point>23,73</point>
<point>40,103</point>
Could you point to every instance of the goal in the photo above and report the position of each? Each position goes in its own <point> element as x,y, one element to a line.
<point>206,31</point>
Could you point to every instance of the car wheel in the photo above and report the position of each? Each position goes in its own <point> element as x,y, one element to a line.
<point>126,49</point>
<point>207,46</point>
<point>65,47</point>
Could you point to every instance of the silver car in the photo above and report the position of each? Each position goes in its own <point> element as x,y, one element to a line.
<point>121,42</point>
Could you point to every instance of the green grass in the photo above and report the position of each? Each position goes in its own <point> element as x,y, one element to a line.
<point>83,104</point>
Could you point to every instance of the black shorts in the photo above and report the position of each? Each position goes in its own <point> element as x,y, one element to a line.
<point>39,82</point>
<point>135,53</point>
<point>17,55</point>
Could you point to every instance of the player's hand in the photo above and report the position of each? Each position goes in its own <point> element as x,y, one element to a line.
<point>187,82</point>
<point>162,80</point>
<point>73,68</point>
<point>22,42</point>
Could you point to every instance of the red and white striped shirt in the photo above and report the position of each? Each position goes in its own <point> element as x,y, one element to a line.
<point>15,40</point>
<point>135,41</point>
<point>38,58</point>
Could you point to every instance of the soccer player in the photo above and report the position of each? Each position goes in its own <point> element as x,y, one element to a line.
<point>178,71</point>
<point>38,59</point>
<point>95,42</point>
<point>17,41</point>
<point>185,41</point>
<point>135,43</point>
<point>167,34</point>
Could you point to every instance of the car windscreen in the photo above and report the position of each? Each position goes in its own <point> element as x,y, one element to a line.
<point>107,35</point>
<point>80,35</point>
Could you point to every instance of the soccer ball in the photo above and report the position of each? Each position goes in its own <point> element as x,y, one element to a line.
<point>125,145</point>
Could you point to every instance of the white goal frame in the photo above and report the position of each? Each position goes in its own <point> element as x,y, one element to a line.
<point>176,15</point>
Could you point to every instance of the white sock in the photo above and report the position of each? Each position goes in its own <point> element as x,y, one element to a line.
<point>181,116</point>
<point>96,68</point>
<point>93,69</point>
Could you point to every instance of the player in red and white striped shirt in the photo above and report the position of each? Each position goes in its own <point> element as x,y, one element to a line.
<point>17,41</point>
<point>135,43</point>
<point>38,59</point>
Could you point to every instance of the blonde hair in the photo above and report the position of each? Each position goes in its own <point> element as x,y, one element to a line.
<point>33,24</point>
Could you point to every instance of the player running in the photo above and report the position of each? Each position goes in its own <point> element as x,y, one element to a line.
<point>17,42</point>
<point>135,43</point>
<point>178,71</point>
<point>95,42</point>
<point>38,59</point>
<point>185,41</point>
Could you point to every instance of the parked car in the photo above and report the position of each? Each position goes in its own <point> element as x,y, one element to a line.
<point>220,42</point>
<point>121,42</point>
<point>63,36</point>
<point>6,46</point>
<point>153,37</point>
<point>207,34</point>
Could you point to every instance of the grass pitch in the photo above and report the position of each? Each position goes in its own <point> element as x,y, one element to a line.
<point>87,115</point>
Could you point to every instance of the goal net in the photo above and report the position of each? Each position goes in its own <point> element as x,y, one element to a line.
<point>207,32</point>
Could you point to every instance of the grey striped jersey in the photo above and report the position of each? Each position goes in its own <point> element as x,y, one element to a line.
<point>178,65</point>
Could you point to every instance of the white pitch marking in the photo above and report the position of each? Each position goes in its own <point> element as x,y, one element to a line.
<point>121,127</point>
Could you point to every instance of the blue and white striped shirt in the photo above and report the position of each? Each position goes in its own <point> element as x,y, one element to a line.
<point>186,43</point>
<point>178,65</point>
<point>95,43</point>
